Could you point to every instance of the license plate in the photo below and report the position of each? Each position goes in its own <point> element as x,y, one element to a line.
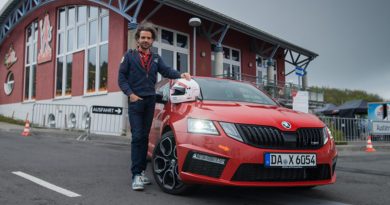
<point>286,160</point>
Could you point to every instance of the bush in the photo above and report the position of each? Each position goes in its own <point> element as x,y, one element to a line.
<point>337,135</point>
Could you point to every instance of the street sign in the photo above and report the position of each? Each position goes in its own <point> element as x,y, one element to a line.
<point>301,101</point>
<point>107,110</point>
<point>381,127</point>
<point>300,71</point>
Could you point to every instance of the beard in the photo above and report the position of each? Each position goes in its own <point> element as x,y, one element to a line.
<point>145,45</point>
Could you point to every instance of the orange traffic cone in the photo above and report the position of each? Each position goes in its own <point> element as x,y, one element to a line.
<point>369,147</point>
<point>26,131</point>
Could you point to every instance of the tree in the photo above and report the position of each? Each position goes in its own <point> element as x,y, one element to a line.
<point>339,96</point>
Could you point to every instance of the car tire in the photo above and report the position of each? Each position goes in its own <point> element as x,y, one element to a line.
<point>165,167</point>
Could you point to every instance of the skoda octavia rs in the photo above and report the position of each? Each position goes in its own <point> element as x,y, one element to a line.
<point>224,132</point>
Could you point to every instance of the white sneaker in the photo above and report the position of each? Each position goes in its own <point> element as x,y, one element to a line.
<point>137,184</point>
<point>145,180</point>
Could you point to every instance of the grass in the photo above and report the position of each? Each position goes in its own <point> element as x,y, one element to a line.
<point>338,136</point>
<point>11,120</point>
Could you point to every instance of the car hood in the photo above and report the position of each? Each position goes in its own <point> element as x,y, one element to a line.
<point>250,113</point>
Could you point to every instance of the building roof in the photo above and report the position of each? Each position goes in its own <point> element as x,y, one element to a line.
<point>8,7</point>
<point>206,13</point>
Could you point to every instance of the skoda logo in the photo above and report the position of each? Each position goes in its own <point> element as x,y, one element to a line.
<point>286,125</point>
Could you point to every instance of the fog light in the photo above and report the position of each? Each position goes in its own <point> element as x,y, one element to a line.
<point>208,158</point>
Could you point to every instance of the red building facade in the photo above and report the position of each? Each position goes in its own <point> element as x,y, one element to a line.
<point>72,56</point>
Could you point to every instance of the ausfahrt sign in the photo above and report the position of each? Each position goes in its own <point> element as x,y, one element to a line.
<point>107,110</point>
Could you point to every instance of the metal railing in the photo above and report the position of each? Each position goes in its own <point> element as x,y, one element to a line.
<point>61,116</point>
<point>277,89</point>
<point>80,118</point>
<point>112,124</point>
<point>350,129</point>
<point>347,129</point>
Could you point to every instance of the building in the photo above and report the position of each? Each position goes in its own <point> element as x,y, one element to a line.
<point>68,53</point>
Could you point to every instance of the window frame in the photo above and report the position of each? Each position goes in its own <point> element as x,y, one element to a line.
<point>76,47</point>
<point>9,85</point>
<point>263,68</point>
<point>174,48</point>
<point>66,53</point>
<point>97,45</point>
<point>230,61</point>
<point>30,62</point>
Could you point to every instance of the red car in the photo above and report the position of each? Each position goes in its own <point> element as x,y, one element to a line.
<point>233,134</point>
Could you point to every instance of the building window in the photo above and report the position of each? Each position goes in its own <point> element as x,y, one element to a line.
<point>173,48</point>
<point>261,70</point>
<point>9,83</point>
<point>231,62</point>
<point>31,61</point>
<point>261,67</point>
<point>97,51</point>
<point>66,45</point>
<point>82,28</point>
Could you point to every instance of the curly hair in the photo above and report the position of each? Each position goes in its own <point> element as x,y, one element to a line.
<point>147,26</point>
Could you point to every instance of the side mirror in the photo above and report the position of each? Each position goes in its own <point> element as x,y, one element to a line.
<point>160,99</point>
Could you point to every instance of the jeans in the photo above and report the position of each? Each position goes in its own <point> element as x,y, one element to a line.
<point>140,116</point>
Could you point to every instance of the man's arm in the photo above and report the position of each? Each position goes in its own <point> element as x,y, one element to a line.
<point>123,75</point>
<point>169,72</point>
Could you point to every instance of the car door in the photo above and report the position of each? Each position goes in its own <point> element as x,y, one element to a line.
<point>161,88</point>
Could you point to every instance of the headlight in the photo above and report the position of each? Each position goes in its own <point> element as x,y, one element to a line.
<point>326,134</point>
<point>201,126</point>
<point>329,132</point>
<point>231,130</point>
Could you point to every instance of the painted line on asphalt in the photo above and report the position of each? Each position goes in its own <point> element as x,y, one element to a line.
<point>47,184</point>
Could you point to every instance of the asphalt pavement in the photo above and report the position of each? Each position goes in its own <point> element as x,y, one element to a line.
<point>97,172</point>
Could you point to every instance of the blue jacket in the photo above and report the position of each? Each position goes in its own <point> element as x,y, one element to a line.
<point>133,78</point>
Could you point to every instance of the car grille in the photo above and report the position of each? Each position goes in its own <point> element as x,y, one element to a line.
<point>270,137</point>
<point>257,172</point>
<point>202,167</point>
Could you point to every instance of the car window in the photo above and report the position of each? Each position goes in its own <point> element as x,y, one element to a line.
<point>162,88</point>
<point>165,89</point>
<point>227,90</point>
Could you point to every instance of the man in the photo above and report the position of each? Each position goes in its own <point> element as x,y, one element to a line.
<point>137,78</point>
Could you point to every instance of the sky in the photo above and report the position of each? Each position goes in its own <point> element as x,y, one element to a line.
<point>352,37</point>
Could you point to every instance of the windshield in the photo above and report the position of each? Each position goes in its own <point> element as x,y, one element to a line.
<point>227,90</point>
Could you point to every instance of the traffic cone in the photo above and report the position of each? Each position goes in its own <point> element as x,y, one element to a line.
<point>369,147</point>
<point>26,131</point>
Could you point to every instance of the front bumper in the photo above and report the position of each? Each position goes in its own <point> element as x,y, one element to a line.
<point>220,160</point>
